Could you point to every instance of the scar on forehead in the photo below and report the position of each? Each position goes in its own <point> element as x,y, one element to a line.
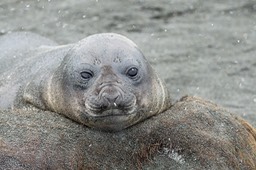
<point>95,58</point>
<point>96,61</point>
<point>117,59</point>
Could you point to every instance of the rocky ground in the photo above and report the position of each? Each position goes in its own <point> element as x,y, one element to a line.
<point>202,48</point>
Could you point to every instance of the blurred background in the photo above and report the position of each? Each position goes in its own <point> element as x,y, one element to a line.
<point>201,48</point>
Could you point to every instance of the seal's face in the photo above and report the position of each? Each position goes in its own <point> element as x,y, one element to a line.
<point>106,83</point>
<point>110,82</point>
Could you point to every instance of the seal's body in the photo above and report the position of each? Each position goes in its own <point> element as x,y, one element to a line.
<point>103,81</point>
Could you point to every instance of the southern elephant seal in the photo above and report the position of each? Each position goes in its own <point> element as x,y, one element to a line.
<point>102,81</point>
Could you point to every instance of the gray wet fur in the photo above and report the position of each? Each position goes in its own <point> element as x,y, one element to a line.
<point>37,72</point>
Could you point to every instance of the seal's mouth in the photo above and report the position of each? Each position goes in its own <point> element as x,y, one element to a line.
<point>111,118</point>
<point>112,112</point>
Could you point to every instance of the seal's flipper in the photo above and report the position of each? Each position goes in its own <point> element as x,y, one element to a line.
<point>33,94</point>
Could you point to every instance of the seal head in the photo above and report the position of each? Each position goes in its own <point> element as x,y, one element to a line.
<point>105,82</point>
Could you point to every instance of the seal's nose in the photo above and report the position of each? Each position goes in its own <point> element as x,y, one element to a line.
<point>112,96</point>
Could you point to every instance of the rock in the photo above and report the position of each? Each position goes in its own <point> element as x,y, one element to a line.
<point>192,134</point>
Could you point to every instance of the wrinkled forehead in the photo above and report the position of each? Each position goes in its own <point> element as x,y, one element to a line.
<point>107,48</point>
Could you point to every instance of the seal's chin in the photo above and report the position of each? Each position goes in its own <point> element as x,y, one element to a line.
<point>110,120</point>
<point>112,112</point>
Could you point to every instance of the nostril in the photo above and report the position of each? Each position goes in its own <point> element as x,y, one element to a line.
<point>111,98</point>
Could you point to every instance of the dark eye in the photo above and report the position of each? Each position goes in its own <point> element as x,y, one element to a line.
<point>132,72</point>
<point>86,75</point>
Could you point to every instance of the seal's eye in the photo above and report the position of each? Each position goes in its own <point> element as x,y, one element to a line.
<point>132,72</point>
<point>86,75</point>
